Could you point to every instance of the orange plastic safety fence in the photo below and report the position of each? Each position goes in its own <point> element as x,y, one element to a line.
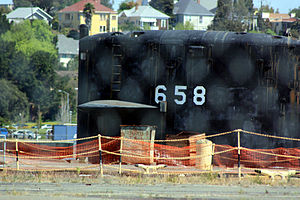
<point>227,159</point>
<point>271,158</point>
<point>45,151</point>
<point>143,152</point>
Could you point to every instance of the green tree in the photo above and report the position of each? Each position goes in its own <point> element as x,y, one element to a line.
<point>7,52</point>
<point>31,37</point>
<point>4,24</point>
<point>46,5</point>
<point>4,10</point>
<point>55,23</point>
<point>232,15</point>
<point>241,11</point>
<point>295,30</point>
<point>22,3</point>
<point>73,64</point>
<point>165,6</point>
<point>296,11</point>
<point>223,16</point>
<point>88,11</point>
<point>146,27</point>
<point>12,102</point>
<point>60,4</point>
<point>129,26</point>
<point>107,3</point>
<point>187,26</point>
<point>126,5</point>
<point>266,8</point>
<point>28,59</point>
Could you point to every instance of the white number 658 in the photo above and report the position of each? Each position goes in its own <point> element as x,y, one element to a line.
<point>198,99</point>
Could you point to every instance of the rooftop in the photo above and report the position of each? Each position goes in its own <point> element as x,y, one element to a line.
<point>209,4</point>
<point>190,7</point>
<point>144,11</point>
<point>67,45</point>
<point>79,6</point>
<point>26,12</point>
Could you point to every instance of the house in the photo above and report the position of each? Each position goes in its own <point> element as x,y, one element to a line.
<point>196,14</point>
<point>281,23</point>
<point>23,13</point>
<point>7,4</point>
<point>210,5</point>
<point>68,48</point>
<point>103,19</point>
<point>144,15</point>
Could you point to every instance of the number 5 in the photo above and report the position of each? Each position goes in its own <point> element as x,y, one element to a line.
<point>178,93</point>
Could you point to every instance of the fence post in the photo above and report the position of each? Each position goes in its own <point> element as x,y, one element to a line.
<point>75,149</point>
<point>17,155</point>
<point>100,155</point>
<point>212,157</point>
<point>120,161</point>
<point>239,153</point>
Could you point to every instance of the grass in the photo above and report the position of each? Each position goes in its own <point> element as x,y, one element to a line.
<point>93,178</point>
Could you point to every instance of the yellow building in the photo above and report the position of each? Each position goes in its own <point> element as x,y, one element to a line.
<point>103,20</point>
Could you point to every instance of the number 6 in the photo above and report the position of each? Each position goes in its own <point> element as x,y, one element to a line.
<point>162,95</point>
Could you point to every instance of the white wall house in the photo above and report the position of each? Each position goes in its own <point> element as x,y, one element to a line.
<point>145,15</point>
<point>68,48</point>
<point>196,14</point>
<point>23,13</point>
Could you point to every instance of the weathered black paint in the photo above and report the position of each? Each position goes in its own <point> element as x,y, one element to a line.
<point>251,80</point>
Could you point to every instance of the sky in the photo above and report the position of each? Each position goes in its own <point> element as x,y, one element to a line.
<point>284,5</point>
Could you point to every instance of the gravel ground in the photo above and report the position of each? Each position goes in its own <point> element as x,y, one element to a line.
<point>66,191</point>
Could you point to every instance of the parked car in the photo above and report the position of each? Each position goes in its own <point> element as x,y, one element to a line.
<point>3,131</point>
<point>46,126</point>
<point>25,134</point>
<point>49,134</point>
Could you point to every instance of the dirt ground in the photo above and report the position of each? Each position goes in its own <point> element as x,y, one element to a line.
<point>32,191</point>
<point>83,181</point>
<point>79,185</point>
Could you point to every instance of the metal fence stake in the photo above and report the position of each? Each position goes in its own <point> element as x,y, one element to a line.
<point>239,154</point>
<point>100,155</point>
<point>120,162</point>
<point>17,155</point>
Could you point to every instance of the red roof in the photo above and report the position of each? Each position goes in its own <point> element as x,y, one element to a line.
<point>79,6</point>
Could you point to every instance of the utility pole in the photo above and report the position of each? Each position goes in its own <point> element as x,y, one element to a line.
<point>67,119</point>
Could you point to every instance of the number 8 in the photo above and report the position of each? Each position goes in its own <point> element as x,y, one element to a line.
<point>199,95</point>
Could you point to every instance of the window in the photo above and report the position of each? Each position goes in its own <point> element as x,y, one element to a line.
<point>78,16</point>
<point>102,17</point>
<point>67,16</point>
<point>113,17</point>
<point>200,19</point>
<point>163,23</point>
<point>102,28</point>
